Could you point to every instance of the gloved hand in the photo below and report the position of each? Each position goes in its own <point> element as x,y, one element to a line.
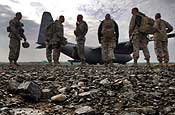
<point>77,23</point>
<point>25,39</point>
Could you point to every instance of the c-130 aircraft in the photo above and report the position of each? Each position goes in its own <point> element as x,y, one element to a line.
<point>93,55</point>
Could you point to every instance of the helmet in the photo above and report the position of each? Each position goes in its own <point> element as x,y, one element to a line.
<point>25,44</point>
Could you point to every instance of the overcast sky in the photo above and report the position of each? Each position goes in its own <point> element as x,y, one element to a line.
<point>92,10</point>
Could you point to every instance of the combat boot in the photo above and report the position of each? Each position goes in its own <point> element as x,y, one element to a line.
<point>11,62</point>
<point>49,62</point>
<point>165,64</point>
<point>111,63</point>
<point>135,63</point>
<point>160,64</point>
<point>83,62</point>
<point>105,63</point>
<point>15,62</point>
<point>56,63</point>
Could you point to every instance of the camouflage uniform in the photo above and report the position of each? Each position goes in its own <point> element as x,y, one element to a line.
<point>108,44</point>
<point>55,34</point>
<point>161,40</point>
<point>139,41</point>
<point>108,34</point>
<point>108,50</point>
<point>80,32</point>
<point>16,35</point>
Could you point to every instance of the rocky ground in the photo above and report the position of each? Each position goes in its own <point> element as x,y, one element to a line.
<point>86,90</point>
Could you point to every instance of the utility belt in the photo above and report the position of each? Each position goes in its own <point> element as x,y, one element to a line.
<point>58,44</point>
<point>53,45</point>
<point>106,39</point>
<point>13,36</point>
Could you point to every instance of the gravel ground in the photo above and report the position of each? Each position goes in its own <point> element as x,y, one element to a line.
<point>89,90</point>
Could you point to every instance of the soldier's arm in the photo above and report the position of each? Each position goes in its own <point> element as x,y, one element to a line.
<point>83,29</point>
<point>23,36</point>
<point>169,27</point>
<point>132,25</point>
<point>77,30</point>
<point>21,32</point>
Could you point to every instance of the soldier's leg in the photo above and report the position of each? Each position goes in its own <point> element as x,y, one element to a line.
<point>104,52</point>
<point>158,50</point>
<point>49,53</point>
<point>56,55</point>
<point>110,55</point>
<point>108,52</point>
<point>111,52</point>
<point>165,51</point>
<point>135,43</point>
<point>146,53</point>
<point>11,50</point>
<point>75,53</point>
<point>81,53</point>
<point>17,52</point>
<point>14,47</point>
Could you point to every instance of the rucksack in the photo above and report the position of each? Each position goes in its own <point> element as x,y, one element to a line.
<point>49,29</point>
<point>108,28</point>
<point>86,27</point>
<point>8,29</point>
<point>145,24</point>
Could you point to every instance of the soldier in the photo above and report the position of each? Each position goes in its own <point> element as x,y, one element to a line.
<point>16,34</point>
<point>161,39</point>
<point>108,34</point>
<point>137,38</point>
<point>54,38</point>
<point>80,32</point>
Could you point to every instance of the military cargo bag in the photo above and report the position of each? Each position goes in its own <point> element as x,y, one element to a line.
<point>146,25</point>
<point>108,29</point>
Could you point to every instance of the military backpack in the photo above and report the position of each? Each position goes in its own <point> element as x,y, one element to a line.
<point>50,29</point>
<point>145,24</point>
<point>108,29</point>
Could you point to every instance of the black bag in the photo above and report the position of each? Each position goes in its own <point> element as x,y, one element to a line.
<point>8,29</point>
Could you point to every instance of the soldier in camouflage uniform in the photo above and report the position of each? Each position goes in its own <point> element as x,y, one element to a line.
<point>54,37</point>
<point>139,40</point>
<point>161,39</point>
<point>16,34</point>
<point>80,32</point>
<point>108,34</point>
